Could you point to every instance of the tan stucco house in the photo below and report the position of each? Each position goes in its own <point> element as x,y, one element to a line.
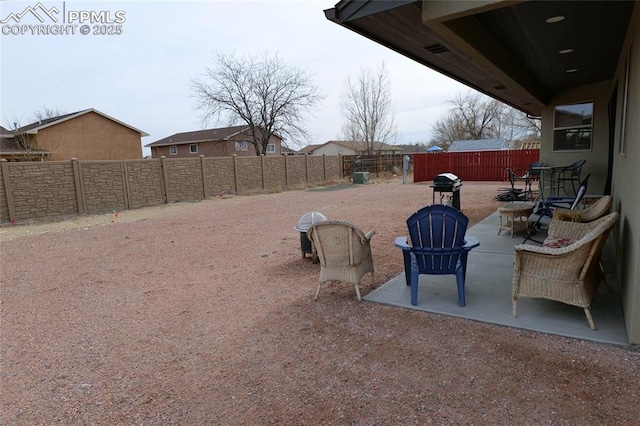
<point>220,142</point>
<point>85,135</point>
<point>349,148</point>
<point>550,59</point>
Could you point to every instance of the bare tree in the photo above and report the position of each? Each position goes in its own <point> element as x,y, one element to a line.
<point>47,113</point>
<point>31,147</point>
<point>367,108</point>
<point>268,95</point>
<point>474,116</point>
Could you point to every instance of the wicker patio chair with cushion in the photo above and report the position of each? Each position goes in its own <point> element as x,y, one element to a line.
<point>566,267</point>
<point>344,252</point>
<point>595,211</point>
<point>438,246</point>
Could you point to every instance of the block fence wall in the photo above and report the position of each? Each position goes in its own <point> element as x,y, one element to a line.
<point>33,190</point>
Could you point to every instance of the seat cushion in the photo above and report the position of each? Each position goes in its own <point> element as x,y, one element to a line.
<point>567,215</point>
<point>551,242</point>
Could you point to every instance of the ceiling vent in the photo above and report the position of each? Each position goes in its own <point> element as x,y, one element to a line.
<point>436,48</point>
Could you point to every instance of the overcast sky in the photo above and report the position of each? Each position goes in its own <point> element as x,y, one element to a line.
<point>142,76</point>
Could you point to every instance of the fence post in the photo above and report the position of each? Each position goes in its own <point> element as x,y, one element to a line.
<point>324,167</point>
<point>235,172</point>
<point>77,178</point>
<point>125,184</point>
<point>204,178</point>
<point>264,176</point>
<point>286,172</point>
<point>163,175</point>
<point>8,192</point>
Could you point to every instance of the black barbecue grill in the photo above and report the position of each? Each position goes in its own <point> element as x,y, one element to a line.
<point>447,183</point>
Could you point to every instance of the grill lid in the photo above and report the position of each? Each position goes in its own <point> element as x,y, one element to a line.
<point>446,179</point>
<point>308,219</point>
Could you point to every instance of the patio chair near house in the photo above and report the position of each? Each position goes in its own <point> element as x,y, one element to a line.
<point>543,212</point>
<point>563,176</point>
<point>344,252</point>
<point>566,268</point>
<point>527,177</point>
<point>596,210</point>
<point>512,193</point>
<point>437,245</point>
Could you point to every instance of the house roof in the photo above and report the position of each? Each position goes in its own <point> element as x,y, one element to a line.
<point>4,131</point>
<point>505,49</point>
<point>479,145</point>
<point>208,135</point>
<point>33,128</point>
<point>309,148</point>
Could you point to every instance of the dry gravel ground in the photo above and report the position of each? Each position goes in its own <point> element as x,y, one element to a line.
<point>203,313</point>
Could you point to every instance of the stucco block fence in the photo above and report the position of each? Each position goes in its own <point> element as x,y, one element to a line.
<point>39,190</point>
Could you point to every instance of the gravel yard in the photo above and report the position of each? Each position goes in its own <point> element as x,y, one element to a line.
<point>203,313</point>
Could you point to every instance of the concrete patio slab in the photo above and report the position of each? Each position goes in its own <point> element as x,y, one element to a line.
<point>488,295</point>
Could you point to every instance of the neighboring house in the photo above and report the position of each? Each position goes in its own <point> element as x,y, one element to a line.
<point>350,148</point>
<point>221,142</point>
<point>12,150</point>
<point>478,145</point>
<point>544,58</point>
<point>85,135</point>
<point>309,149</point>
<point>528,144</point>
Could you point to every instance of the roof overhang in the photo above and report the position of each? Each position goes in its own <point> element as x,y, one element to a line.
<point>505,49</point>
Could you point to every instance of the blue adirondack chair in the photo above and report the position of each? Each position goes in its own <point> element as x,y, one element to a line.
<point>438,246</point>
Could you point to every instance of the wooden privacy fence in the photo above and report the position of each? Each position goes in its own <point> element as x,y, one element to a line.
<point>32,190</point>
<point>376,163</point>
<point>472,166</point>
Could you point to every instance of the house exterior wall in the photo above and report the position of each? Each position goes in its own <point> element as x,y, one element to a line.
<point>90,136</point>
<point>626,191</point>
<point>596,158</point>
<point>626,173</point>
<point>333,149</point>
<point>215,148</point>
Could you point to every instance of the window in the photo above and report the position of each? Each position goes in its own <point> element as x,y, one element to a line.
<point>193,148</point>
<point>271,148</point>
<point>572,127</point>
<point>173,150</point>
<point>242,146</point>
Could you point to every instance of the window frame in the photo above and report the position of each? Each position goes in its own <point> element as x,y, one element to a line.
<point>191,146</point>
<point>242,146</point>
<point>273,150</point>
<point>575,128</point>
<point>173,150</point>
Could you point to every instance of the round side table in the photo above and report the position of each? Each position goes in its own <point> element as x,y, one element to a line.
<point>511,212</point>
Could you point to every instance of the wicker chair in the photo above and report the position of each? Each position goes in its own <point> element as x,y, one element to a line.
<point>595,211</point>
<point>566,268</point>
<point>344,252</point>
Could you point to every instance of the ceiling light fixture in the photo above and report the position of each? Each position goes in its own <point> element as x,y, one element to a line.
<point>572,70</point>
<point>555,19</point>
<point>565,51</point>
